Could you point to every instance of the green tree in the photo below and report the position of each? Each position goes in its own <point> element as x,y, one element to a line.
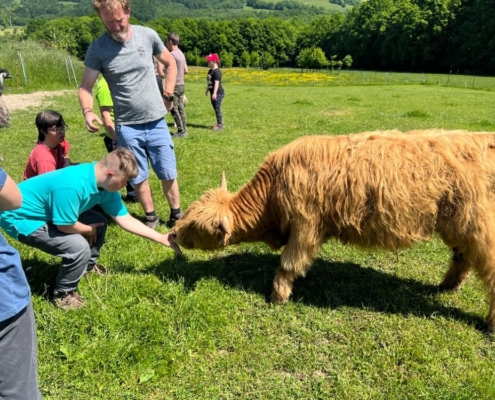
<point>245,60</point>
<point>267,60</point>
<point>312,58</point>
<point>347,61</point>
<point>227,59</point>
<point>255,59</point>
<point>194,57</point>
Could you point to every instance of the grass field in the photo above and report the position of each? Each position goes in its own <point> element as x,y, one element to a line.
<point>360,326</point>
<point>319,3</point>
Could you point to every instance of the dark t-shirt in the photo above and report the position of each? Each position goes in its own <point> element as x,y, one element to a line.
<point>215,75</point>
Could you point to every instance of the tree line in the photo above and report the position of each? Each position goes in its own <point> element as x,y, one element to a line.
<point>401,35</point>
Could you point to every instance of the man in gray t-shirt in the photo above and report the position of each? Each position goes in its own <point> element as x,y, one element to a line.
<point>179,111</point>
<point>124,56</point>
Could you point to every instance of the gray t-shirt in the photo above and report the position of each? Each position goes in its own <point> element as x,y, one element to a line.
<point>128,69</point>
<point>181,62</point>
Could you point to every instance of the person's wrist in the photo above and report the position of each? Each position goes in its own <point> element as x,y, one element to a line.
<point>87,110</point>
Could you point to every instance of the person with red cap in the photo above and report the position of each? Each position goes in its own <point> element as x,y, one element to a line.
<point>214,87</point>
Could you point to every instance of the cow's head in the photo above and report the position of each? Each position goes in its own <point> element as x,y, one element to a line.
<point>206,224</point>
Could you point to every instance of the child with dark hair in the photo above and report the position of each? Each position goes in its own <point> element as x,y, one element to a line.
<point>52,149</point>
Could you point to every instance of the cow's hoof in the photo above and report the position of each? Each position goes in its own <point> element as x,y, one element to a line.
<point>449,286</point>
<point>276,298</point>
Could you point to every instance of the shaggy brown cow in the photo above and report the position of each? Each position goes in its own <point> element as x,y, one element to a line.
<point>375,189</point>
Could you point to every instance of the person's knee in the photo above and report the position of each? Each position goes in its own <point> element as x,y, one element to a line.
<point>77,248</point>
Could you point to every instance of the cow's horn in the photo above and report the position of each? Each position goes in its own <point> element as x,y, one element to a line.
<point>225,225</point>
<point>223,185</point>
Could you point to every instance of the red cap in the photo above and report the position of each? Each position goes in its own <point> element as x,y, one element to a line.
<point>213,57</point>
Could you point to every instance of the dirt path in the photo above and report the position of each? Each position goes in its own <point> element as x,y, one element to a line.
<point>24,101</point>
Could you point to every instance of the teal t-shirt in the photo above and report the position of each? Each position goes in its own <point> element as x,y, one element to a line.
<point>59,197</point>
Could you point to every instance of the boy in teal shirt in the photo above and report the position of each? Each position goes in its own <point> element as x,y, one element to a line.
<point>56,217</point>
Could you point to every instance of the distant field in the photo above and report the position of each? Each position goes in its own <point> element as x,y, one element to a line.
<point>296,77</point>
<point>319,3</point>
<point>5,31</point>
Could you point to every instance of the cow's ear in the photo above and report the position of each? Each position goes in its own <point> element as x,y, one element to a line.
<point>226,231</point>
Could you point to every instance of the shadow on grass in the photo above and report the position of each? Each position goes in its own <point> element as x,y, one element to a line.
<point>327,284</point>
<point>199,126</point>
<point>41,275</point>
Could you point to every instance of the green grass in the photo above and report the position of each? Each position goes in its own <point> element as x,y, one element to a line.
<point>360,326</point>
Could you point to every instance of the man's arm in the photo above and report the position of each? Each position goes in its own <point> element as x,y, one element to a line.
<point>85,94</point>
<point>10,195</point>
<point>168,60</point>
<point>159,69</point>
<point>106,116</point>
<point>136,227</point>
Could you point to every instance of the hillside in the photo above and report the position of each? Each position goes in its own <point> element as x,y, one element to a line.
<point>19,12</point>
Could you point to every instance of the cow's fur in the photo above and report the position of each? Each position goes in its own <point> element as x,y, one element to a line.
<point>374,189</point>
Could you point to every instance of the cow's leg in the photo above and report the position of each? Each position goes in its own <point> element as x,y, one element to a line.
<point>457,273</point>
<point>478,255</point>
<point>483,262</point>
<point>296,259</point>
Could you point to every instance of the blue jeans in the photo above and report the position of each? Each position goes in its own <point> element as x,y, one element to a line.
<point>217,104</point>
<point>74,249</point>
<point>151,141</point>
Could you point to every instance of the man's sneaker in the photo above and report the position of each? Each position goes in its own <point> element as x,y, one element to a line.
<point>152,222</point>
<point>173,219</point>
<point>98,269</point>
<point>130,198</point>
<point>218,127</point>
<point>179,135</point>
<point>67,300</point>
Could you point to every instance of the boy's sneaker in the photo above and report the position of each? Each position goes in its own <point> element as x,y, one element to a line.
<point>152,222</point>
<point>173,219</point>
<point>98,269</point>
<point>67,300</point>
<point>218,127</point>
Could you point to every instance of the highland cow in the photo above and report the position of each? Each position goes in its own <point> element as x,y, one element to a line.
<point>375,189</point>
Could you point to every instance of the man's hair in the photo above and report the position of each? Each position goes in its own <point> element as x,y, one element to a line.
<point>121,160</point>
<point>174,38</point>
<point>46,119</point>
<point>111,5</point>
